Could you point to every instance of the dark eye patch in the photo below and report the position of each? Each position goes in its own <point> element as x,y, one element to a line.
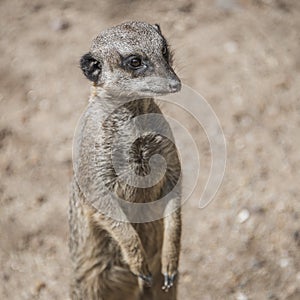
<point>134,63</point>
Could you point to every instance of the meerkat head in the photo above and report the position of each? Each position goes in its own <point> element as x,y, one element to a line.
<point>132,58</point>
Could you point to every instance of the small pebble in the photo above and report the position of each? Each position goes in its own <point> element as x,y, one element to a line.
<point>241,296</point>
<point>59,25</point>
<point>284,262</point>
<point>6,277</point>
<point>297,237</point>
<point>243,215</point>
<point>40,286</point>
<point>230,257</point>
<point>41,199</point>
<point>230,47</point>
<point>226,5</point>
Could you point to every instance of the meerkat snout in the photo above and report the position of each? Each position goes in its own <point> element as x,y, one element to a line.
<point>175,86</point>
<point>132,58</point>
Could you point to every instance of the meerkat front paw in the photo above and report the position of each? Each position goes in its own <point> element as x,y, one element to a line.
<point>169,269</point>
<point>168,281</point>
<point>147,279</point>
<point>139,267</point>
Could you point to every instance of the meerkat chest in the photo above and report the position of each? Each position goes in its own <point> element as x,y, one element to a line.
<point>138,165</point>
<point>137,149</point>
<point>129,151</point>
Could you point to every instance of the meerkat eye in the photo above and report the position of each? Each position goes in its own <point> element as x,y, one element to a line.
<point>135,62</point>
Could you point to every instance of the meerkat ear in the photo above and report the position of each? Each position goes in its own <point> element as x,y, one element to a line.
<point>157,28</point>
<point>90,67</point>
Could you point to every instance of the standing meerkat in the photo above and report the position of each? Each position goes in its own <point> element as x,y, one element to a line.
<point>125,244</point>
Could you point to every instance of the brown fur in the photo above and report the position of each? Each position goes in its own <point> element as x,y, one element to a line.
<point>113,260</point>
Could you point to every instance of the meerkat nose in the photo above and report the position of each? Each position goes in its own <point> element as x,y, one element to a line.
<point>175,86</point>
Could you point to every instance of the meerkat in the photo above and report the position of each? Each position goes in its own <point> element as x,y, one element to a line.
<point>125,258</point>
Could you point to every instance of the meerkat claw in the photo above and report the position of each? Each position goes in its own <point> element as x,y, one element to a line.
<point>147,279</point>
<point>168,281</point>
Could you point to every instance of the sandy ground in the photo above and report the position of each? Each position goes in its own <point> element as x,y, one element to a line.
<point>242,56</point>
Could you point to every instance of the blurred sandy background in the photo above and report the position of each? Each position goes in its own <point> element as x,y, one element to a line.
<point>242,56</point>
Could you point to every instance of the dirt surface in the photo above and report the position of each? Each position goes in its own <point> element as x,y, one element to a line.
<point>242,56</point>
